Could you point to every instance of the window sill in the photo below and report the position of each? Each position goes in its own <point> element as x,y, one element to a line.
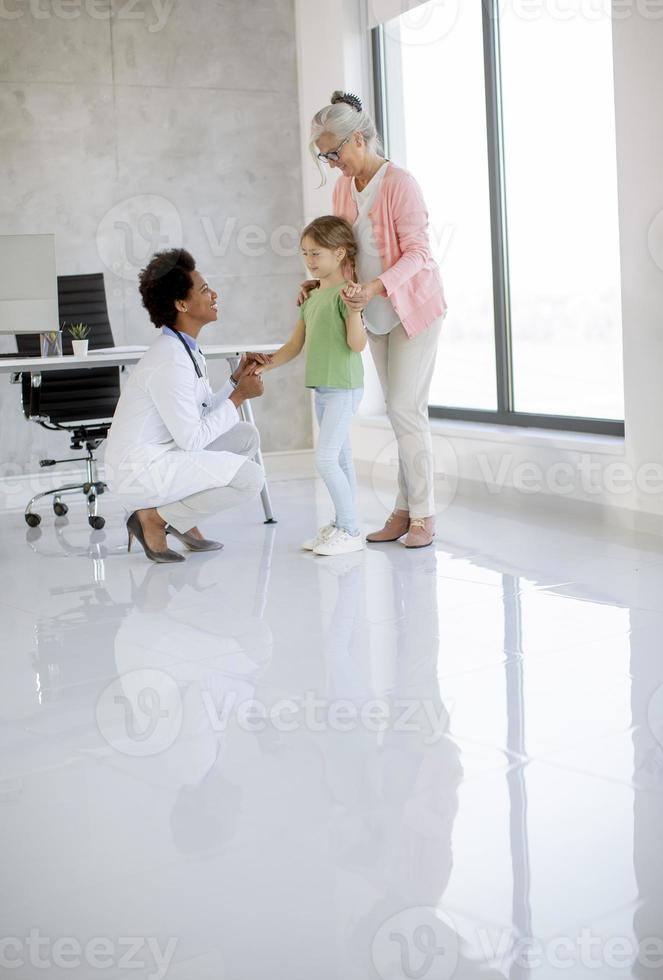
<point>515,435</point>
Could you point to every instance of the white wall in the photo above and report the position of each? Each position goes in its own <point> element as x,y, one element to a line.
<point>331,54</point>
<point>638,55</point>
<point>622,478</point>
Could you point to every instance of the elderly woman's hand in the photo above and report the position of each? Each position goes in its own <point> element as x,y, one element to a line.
<point>305,289</point>
<point>357,296</point>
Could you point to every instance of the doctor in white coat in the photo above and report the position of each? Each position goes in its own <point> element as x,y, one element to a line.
<point>176,450</point>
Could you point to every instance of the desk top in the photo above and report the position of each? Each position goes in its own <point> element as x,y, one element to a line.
<point>37,365</point>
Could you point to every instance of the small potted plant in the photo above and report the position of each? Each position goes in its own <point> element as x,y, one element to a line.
<point>79,332</point>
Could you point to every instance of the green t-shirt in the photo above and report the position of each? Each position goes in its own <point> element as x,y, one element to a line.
<point>330,362</point>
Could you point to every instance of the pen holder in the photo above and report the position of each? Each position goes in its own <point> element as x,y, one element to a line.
<point>51,344</point>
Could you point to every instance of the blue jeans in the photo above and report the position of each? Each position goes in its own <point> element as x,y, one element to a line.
<point>334,408</point>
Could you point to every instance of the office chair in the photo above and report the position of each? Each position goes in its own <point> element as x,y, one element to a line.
<point>81,401</point>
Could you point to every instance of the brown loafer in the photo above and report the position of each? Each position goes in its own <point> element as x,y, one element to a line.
<point>421,532</point>
<point>394,528</point>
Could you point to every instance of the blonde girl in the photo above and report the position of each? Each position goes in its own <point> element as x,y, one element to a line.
<point>334,337</point>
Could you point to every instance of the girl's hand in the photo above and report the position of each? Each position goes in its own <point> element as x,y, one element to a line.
<point>351,289</point>
<point>252,358</point>
<point>248,364</point>
<point>357,296</point>
<point>306,288</point>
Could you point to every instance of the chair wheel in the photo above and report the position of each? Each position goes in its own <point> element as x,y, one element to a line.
<point>32,520</point>
<point>60,509</point>
<point>96,522</point>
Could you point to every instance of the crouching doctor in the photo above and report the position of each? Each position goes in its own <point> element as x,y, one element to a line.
<point>177,451</point>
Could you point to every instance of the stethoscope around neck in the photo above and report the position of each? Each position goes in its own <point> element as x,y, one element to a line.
<point>196,365</point>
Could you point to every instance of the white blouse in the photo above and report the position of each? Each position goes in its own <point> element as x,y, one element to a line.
<point>380,316</point>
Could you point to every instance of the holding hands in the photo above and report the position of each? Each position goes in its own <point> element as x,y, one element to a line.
<point>353,296</point>
<point>247,376</point>
<point>249,364</point>
<point>357,296</point>
<point>250,385</point>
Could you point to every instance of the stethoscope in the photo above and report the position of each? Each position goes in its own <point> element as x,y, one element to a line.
<point>196,365</point>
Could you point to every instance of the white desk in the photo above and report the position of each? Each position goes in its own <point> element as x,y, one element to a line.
<point>38,365</point>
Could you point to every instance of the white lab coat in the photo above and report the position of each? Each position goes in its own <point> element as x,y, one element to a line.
<point>163,443</point>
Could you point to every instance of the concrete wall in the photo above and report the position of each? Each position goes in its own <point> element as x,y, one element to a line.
<point>128,127</point>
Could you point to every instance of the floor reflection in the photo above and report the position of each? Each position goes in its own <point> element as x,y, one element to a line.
<point>383,766</point>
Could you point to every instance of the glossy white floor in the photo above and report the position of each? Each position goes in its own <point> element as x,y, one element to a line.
<point>261,765</point>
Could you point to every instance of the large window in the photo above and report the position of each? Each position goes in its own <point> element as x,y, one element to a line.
<point>507,122</point>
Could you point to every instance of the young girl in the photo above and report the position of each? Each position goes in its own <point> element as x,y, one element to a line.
<point>334,338</point>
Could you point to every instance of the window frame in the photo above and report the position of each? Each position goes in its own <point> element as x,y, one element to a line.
<point>505,414</point>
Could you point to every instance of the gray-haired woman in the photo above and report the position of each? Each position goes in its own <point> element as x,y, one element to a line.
<point>401,294</point>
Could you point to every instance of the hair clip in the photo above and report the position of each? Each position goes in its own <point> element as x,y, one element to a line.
<point>352,100</point>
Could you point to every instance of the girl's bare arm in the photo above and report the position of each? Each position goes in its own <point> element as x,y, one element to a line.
<point>290,349</point>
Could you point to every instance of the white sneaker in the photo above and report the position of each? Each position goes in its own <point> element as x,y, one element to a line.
<point>322,535</point>
<point>340,543</point>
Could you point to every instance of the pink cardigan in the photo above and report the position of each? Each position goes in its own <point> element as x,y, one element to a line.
<point>400,223</point>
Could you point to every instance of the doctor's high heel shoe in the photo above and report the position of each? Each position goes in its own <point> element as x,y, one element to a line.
<point>135,530</point>
<point>192,542</point>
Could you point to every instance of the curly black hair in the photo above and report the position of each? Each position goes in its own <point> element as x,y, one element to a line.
<point>166,278</point>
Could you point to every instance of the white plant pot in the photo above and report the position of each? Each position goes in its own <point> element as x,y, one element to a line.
<point>79,348</point>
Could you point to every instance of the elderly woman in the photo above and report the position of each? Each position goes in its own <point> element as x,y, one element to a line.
<point>401,295</point>
<point>177,451</point>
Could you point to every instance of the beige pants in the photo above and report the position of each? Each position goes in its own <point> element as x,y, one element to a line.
<point>246,484</point>
<point>405,368</point>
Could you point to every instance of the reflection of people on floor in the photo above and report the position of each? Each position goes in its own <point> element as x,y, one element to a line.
<point>396,792</point>
<point>213,651</point>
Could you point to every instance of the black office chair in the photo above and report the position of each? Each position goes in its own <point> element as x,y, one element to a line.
<point>82,401</point>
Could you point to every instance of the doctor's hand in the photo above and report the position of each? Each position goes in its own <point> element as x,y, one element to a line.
<point>248,364</point>
<point>248,386</point>
<point>253,358</point>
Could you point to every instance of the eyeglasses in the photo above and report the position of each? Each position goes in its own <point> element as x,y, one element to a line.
<point>334,155</point>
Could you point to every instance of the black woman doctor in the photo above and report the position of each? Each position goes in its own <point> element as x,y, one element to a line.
<point>176,450</point>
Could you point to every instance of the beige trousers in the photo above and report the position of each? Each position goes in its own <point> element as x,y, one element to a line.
<point>405,367</point>
<point>246,484</point>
